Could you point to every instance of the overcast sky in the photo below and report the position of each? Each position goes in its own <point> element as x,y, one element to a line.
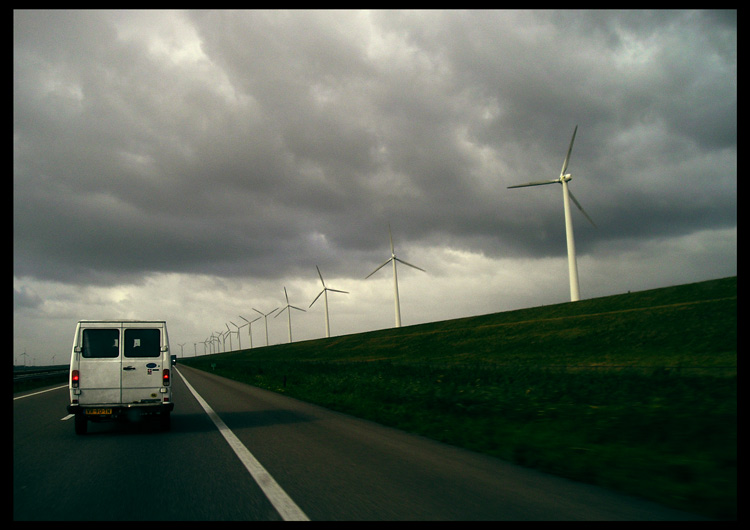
<point>188,166</point>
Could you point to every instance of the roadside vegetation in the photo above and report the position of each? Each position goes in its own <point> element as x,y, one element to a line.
<point>635,392</point>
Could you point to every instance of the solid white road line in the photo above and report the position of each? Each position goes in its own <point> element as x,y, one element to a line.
<point>68,417</point>
<point>286,507</point>
<point>40,392</point>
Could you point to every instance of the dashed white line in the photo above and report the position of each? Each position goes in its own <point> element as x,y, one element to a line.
<point>283,504</point>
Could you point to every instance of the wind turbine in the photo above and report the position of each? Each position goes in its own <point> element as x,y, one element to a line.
<point>239,342</point>
<point>288,309</point>
<point>229,332</point>
<point>394,259</point>
<point>226,333</point>
<point>250,328</point>
<point>265,316</point>
<point>220,341</point>
<point>324,292</point>
<point>563,179</point>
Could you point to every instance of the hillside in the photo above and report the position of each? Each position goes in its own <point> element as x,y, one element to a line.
<point>689,325</point>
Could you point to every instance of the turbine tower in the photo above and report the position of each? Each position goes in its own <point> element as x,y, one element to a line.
<point>394,259</point>
<point>250,328</point>
<point>324,292</point>
<point>567,195</point>
<point>265,316</point>
<point>288,309</point>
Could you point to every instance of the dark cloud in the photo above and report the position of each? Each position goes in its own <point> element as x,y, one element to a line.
<point>260,143</point>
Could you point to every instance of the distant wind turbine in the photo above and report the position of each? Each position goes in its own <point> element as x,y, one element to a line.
<point>563,179</point>
<point>229,332</point>
<point>288,309</point>
<point>239,342</point>
<point>250,328</point>
<point>394,259</point>
<point>220,341</point>
<point>265,316</point>
<point>324,292</point>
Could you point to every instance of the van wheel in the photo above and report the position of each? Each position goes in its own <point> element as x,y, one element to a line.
<point>81,424</point>
<point>166,421</point>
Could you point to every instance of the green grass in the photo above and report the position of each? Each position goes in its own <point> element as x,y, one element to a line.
<point>636,392</point>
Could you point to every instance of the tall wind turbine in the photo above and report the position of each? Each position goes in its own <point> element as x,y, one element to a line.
<point>265,316</point>
<point>250,328</point>
<point>563,179</point>
<point>394,259</point>
<point>324,292</point>
<point>288,309</point>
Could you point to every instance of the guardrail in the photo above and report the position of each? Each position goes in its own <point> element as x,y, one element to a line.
<point>38,373</point>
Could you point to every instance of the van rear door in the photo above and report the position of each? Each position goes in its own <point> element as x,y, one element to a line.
<point>99,363</point>
<point>142,362</point>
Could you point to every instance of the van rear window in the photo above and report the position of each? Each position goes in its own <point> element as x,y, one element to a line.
<point>142,343</point>
<point>101,343</point>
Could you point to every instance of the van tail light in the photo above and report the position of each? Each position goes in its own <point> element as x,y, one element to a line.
<point>165,377</point>
<point>74,379</point>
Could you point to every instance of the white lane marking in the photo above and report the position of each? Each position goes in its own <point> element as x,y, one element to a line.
<point>68,417</point>
<point>40,392</point>
<point>286,507</point>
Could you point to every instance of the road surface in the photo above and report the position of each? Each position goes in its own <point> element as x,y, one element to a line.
<point>236,452</point>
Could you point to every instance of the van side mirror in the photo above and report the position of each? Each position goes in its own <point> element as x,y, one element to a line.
<point>164,348</point>
<point>78,349</point>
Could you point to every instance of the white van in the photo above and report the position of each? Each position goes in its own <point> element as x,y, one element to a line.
<point>120,369</point>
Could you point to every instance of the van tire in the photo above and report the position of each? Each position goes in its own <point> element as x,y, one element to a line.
<point>166,421</point>
<point>81,423</point>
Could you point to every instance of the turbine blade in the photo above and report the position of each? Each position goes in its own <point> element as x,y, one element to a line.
<point>258,311</point>
<point>581,207</point>
<point>297,308</point>
<point>410,265</point>
<point>390,236</point>
<point>537,183</point>
<point>567,157</point>
<point>286,296</point>
<point>316,298</point>
<point>321,276</point>
<point>337,291</point>
<point>280,312</point>
<point>376,270</point>
<point>243,318</point>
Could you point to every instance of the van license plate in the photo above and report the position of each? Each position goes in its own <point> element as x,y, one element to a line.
<point>97,412</point>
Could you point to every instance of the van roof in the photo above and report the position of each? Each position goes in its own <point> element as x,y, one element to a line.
<point>121,321</point>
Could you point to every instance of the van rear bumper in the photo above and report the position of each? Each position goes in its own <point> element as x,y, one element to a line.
<point>124,408</point>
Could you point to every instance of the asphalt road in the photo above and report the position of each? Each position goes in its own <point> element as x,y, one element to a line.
<point>328,466</point>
